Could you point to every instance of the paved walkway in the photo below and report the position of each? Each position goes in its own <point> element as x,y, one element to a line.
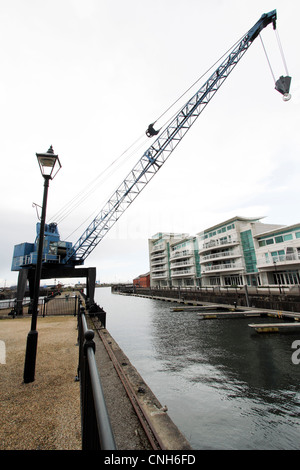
<point>44,414</point>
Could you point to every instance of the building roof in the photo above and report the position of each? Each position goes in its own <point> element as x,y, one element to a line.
<point>232,219</point>
<point>142,275</point>
<point>278,230</point>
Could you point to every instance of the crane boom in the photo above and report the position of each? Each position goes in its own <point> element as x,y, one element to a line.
<point>159,151</point>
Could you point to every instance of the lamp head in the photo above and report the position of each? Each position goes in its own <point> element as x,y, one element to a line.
<point>49,163</point>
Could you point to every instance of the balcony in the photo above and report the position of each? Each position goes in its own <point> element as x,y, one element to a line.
<point>279,260</point>
<point>223,254</point>
<point>159,269</point>
<point>161,275</point>
<point>183,273</point>
<point>158,263</point>
<point>182,254</point>
<point>157,249</point>
<point>212,244</point>
<point>158,256</point>
<point>222,267</point>
<point>182,263</point>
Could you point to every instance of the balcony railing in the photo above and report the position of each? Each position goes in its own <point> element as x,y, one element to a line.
<point>183,272</point>
<point>280,259</point>
<point>158,256</point>
<point>182,263</point>
<point>158,248</point>
<point>217,243</point>
<point>159,269</point>
<point>222,267</point>
<point>27,260</point>
<point>223,254</point>
<point>161,275</point>
<point>157,263</point>
<point>182,254</point>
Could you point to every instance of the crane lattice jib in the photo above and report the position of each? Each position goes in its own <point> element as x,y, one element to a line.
<point>156,155</point>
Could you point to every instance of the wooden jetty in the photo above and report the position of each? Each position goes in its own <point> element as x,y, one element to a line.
<point>198,308</point>
<point>208,312</point>
<point>276,327</point>
<point>224,315</point>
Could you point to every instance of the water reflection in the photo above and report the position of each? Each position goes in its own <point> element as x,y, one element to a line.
<point>225,386</point>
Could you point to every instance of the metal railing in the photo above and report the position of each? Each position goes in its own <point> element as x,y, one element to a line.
<point>222,267</point>
<point>96,431</point>
<point>25,260</point>
<point>291,257</point>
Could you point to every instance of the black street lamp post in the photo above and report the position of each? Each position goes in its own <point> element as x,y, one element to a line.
<point>49,165</point>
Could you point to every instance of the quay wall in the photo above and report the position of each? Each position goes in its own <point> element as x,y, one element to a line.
<point>242,297</point>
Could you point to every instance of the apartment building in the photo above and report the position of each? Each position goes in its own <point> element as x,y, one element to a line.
<point>239,251</point>
<point>159,257</point>
<point>228,252</point>
<point>278,256</point>
<point>184,262</point>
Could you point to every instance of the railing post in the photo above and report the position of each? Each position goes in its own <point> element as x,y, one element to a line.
<point>90,434</point>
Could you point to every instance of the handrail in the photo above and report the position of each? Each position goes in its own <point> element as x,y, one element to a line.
<point>96,427</point>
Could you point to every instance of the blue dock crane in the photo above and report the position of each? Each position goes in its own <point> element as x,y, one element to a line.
<point>60,258</point>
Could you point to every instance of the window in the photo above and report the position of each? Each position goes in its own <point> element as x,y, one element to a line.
<point>262,242</point>
<point>277,253</point>
<point>288,237</point>
<point>233,281</point>
<point>286,278</point>
<point>248,251</point>
<point>279,239</point>
<point>270,241</point>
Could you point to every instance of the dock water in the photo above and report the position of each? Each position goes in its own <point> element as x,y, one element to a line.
<point>289,321</point>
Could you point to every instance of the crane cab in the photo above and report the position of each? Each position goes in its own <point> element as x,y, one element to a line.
<point>54,250</point>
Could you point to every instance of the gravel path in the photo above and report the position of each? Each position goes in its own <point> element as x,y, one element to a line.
<point>44,414</point>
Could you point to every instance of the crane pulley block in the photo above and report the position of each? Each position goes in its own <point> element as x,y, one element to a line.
<point>151,132</point>
<point>283,85</point>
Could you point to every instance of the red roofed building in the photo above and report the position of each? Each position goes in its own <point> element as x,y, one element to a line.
<point>142,281</point>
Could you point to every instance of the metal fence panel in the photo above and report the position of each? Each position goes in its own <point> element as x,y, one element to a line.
<point>64,305</point>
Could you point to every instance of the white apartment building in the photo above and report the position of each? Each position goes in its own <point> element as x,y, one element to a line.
<point>239,251</point>
<point>184,262</point>
<point>278,256</point>
<point>159,257</point>
<point>228,252</point>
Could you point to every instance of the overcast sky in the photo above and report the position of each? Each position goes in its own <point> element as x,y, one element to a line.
<point>88,76</point>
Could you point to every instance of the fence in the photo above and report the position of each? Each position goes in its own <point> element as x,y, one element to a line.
<point>95,424</point>
<point>62,305</point>
<point>52,305</point>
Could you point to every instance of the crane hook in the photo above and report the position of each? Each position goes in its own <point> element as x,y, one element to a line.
<point>150,132</point>
<point>283,86</point>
